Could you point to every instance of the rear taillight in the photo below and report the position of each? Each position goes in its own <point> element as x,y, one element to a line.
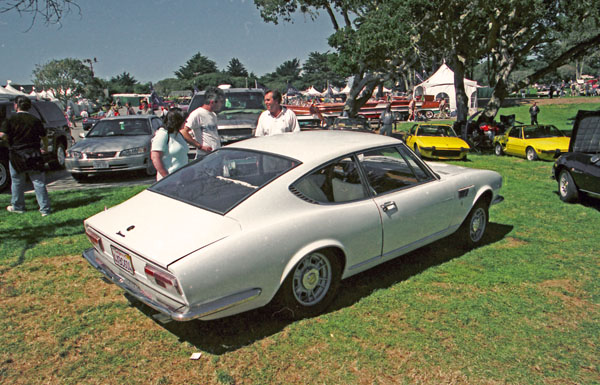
<point>162,279</point>
<point>94,239</point>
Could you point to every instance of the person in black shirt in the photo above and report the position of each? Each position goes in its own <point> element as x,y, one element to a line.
<point>24,133</point>
<point>534,110</point>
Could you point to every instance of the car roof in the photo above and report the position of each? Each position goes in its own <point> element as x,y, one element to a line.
<point>317,145</point>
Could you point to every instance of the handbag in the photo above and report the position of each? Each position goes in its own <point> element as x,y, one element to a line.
<point>26,158</point>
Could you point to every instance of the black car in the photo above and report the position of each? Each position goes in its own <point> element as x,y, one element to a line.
<point>57,128</point>
<point>578,171</point>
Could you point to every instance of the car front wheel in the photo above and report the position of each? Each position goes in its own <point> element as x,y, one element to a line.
<point>311,285</point>
<point>531,154</point>
<point>58,162</point>
<point>473,228</point>
<point>498,149</point>
<point>566,187</point>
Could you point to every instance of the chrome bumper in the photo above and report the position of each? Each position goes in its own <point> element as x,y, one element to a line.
<point>167,312</point>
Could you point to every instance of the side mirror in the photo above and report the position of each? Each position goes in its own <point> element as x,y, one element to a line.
<point>81,135</point>
<point>595,159</point>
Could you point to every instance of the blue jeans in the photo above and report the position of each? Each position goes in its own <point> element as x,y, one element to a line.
<point>18,189</point>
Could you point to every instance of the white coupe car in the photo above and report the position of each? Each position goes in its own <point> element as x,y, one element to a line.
<point>282,218</point>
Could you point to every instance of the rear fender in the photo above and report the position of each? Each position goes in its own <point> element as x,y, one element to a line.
<point>314,246</point>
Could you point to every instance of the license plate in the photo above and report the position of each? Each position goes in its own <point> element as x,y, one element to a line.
<point>100,164</point>
<point>122,259</point>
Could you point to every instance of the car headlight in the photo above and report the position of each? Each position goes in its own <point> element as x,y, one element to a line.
<point>74,154</point>
<point>133,151</point>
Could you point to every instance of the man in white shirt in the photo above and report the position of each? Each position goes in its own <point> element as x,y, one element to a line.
<point>276,119</point>
<point>203,123</point>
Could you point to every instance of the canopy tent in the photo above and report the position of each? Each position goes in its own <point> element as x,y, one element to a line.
<point>12,90</point>
<point>311,91</point>
<point>345,90</point>
<point>441,84</point>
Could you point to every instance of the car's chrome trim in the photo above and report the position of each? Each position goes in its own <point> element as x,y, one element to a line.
<point>183,313</point>
<point>365,262</point>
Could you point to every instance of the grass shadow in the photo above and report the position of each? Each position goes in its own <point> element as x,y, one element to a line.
<point>584,200</point>
<point>229,334</point>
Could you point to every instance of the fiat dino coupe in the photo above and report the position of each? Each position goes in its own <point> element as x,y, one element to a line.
<point>282,219</point>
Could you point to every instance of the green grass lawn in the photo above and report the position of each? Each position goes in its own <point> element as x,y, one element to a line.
<point>524,308</point>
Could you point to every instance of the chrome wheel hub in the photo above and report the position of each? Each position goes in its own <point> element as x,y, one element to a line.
<point>477,225</point>
<point>312,279</point>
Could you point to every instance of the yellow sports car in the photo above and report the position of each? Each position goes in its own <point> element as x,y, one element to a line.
<point>436,141</point>
<point>532,142</point>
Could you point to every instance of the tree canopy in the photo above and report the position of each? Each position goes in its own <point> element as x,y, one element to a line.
<point>65,77</point>
<point>197,65</point>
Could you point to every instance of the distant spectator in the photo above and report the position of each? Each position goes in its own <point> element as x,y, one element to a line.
<point>534,110</point>
<point>130,110</point>
<point>84,114</point>
<point>387,120</point>
<point>412,109</point>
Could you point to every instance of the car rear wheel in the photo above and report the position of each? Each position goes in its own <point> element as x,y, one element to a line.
<point>531,154</point>
<point>311,285</point>
<point>473,228</point>
<point>4,175</point>
<point>566,187</point>
<point>498,150</point>
<point>429,114</point>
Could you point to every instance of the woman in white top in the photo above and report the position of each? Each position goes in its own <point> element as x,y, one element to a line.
<point>169,150</point>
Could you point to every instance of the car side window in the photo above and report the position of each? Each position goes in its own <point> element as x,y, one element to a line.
<point>336,182</point>
<point>515,133</point>
<point>387,170</point>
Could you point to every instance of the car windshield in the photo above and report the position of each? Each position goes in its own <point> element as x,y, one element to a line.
<point>125,127</point>
<point>242,101</point>
<point>427,130</point>
<point>350,124</point>
<point>549,131</point>
<point>224,178</point>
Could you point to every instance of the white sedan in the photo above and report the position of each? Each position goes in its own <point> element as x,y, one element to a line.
<point>282,219</point>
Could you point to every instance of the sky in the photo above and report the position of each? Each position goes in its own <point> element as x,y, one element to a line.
<point>152,39</point>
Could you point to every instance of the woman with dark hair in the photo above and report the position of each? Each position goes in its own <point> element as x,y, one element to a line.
<point>169,150</point>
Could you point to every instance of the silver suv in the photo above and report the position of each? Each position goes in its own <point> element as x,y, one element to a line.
<point>238,118</point>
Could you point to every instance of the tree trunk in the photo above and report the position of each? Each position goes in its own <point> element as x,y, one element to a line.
<point>360,92</point>
<point>462,102</point>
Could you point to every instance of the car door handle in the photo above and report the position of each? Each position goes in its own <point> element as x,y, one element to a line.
<point>387,206</point>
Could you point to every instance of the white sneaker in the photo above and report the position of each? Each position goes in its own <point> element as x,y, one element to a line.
<point>13,210</point>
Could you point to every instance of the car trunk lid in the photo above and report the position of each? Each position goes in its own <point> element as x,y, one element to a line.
<point>162,229</point>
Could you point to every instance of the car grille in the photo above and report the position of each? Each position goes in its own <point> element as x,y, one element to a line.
<point>101,155</point>
<point>445,153</point>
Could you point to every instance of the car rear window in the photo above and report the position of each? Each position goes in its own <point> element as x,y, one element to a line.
<point>224,178</point>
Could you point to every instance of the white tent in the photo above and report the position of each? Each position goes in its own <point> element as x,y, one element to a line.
<point>13,90</point>
<point>3,91</point>
<point>311,91</point>
<point>345,90</point>
<point>442,82</point>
